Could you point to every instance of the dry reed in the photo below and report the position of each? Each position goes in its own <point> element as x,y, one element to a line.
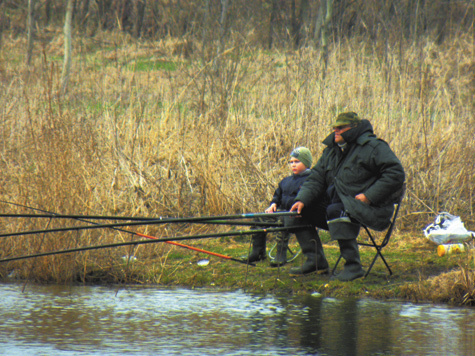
<point>193,140</point>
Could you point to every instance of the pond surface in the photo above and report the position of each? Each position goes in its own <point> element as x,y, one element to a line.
<point>67,320</point>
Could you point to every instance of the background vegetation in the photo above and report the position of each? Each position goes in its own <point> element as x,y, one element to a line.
<point>189,108</point>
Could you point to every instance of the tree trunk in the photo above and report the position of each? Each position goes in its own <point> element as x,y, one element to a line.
<point>2,21</point>
<point>206,28</point>
<point>301,21</point>
<point>139,15</point>
<point>31,29</point>
<point>47,7</point>
<point>124,15</point>
<point>273,15</point>
<point>222,31</point>
<point>319,22</point>
<point>67,46</point>
<point>83,9</point>
<point>293,24</point>
<point>325,33</point>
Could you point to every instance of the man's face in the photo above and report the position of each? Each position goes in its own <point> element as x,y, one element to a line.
<point>338,131</point>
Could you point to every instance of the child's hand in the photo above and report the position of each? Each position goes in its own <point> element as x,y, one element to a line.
<point>272,208</point>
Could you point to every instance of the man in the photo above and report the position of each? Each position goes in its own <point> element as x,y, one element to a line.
<point>358,177</point>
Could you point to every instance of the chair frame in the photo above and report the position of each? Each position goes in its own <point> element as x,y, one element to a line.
<point>384,241</point>
<point>291,254</point>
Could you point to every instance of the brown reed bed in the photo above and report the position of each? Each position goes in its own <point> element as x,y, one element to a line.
<point>145,132</point>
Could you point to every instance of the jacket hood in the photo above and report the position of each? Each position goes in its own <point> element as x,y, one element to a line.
<point>351,135</point>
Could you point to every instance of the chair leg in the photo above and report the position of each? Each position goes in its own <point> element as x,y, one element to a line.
<point>291,255</point>
<point>378,253</point>
<point>336,264</point>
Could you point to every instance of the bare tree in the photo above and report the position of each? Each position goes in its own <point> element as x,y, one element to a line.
<point>82,11</point>
<point>296,20</point>
<point>67,46</point>
<point>321,28</point>
<point>273,15</point>
<point>47,13</point>
<point>2,21</point>
<point>139,15</point>
<point>206,30</point>
<point>319,21</point>
<point>222,30</point>
<point>323,20</point>
<point>31,30</point>
<point>303,15</point>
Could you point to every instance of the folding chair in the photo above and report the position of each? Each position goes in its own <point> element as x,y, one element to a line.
<point>372,239</point>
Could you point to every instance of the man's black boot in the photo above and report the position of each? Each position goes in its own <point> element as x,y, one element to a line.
<point>352,269</point>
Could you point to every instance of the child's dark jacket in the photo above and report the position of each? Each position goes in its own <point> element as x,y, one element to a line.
<point>287,190</point>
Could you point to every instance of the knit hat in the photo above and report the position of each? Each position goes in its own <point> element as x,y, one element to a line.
<point>346,118</point>
<point>304,155</point>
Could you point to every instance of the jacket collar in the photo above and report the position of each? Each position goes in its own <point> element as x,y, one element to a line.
<point>304,173</point>
<point>360,135</point>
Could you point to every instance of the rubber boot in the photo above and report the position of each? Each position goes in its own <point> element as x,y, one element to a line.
<point>258,252</point>
<point>352,269</point>
<point>346,232</point>
<point>312,249</point>
<point>281,255</point>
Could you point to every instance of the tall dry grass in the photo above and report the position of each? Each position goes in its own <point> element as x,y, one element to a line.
<point>193,139</point>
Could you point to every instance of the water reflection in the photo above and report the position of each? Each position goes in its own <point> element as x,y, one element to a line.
<point>144,321</point>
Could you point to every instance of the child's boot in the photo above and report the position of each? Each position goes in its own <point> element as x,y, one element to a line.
<point>281,255</point>
<point>258,252</point>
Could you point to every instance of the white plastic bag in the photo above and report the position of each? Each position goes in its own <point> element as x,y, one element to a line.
<point>447,229</point>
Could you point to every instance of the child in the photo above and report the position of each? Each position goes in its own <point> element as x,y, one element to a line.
<point>283,199</point>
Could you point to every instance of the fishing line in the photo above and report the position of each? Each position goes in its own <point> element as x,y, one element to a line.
<point>116,225</point>
<point>52,214</point>
<point>159,220</point>
<point>146,221</point>
<point>163,221</point>
<point>156,240</point>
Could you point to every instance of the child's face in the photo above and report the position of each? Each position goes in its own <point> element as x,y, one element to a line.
<point>296,166</point>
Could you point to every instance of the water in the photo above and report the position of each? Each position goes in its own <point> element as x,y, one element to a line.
<point>58,320</point>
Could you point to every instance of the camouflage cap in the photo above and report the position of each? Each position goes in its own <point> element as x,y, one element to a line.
<point>346,118</point>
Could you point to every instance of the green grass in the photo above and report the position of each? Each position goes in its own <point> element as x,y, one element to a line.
<point>186,165</point>
<point>415,267</point>
<point>148,65</point>
<point>410,266</point>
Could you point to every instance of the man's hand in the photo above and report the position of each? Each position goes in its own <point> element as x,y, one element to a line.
<point>272,208</point>
<point>298,206</point>
<point>362,197</point>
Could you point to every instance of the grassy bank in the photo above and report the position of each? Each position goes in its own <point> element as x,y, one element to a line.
<point>143,131</point>
<point>419,274</point>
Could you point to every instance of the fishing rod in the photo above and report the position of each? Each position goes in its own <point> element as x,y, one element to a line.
<point>155,240</point>
<point>180,245</point>
<point>175,220</point>
<point>87,227</point>
<point>57,215</point>
<point>137,223</point>
<point>159,220</point>
<point>193,248</point>
<point>48,214</point>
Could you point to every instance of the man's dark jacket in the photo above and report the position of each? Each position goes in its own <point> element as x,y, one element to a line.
<point>367,165</point>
